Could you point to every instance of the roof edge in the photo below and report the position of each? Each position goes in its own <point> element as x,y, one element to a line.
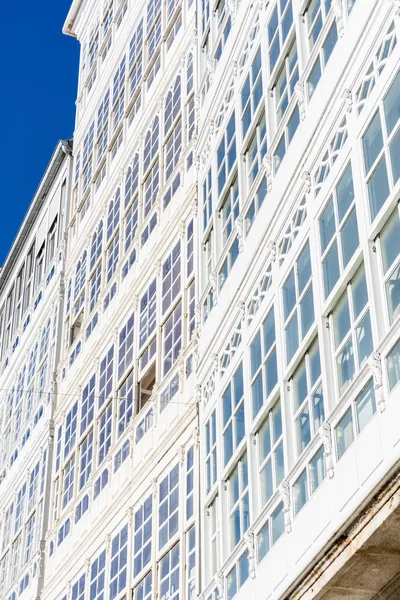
<point>68,28</point>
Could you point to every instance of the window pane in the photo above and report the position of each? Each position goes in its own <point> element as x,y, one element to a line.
<point>364,340</point>
<point>345,192</point>
<point>345,366</point>
<point>304,268</point>
<point>318,408</point>
<point>289,295</point>
<point>378,188</point>
<point>393,366</point>
<point>300,386</point>
<point>365,405</point>
<point>317,470</point>
<point>331,269</point>
<point>349,237</point>
<point>257,394</point>
<point>391,104</point>
<point>300,492</point>
<point>303,429</point>
<point>341,319</point>
<point>395,156</point>
<point>292,337</point>
<point>263,541</point>
<point>393,294</point>
<point>330,42</point>
<point>390,240</point>
<point>372,142</point>
<point>359,290</point>
<point>307,312</point>
<point>278,523</point>
<point>344,433</point>
<point>327,225</point>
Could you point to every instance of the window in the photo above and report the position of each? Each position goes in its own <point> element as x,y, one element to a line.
<point>142,536</point>
<point>125,404</point>
<point>226,154</point>
<point>97,577</point>
<point>100,483</point>
<point>229,211</point>
<point>298,302</point>
<point>106,376</point>
<point>381,146</point>
<point>136,59</point>
<point>63,531</point>
<point>78,589</point>
<point>81,508</point>
<point>189,482</point>
<point>322,58</point>
<point>94,287</point>
<point>168,507</point>
<point>131,224</point>
<point>69,479</point>
<point>237,576</point>
<point>279,26</point>
<point>70,430</point>
<point>172,149</point>
<point>239,506</point>
<point>191,563</point>
<point>87,410</point>
<point>112,257</point>
<point>271,462</point>
<point>151,143</point>
<point>393,366</point>
<point>125,352</point>
<point>102,126</point>
<point>20,506</point>
<point>308,400</point>
<point>356,417</point>
<point>256,151</point>
<point>390,252</point>
<point>153,27</point>
<point>338,231</point>
<point>172,338</point>
<point>147,313</point>
<point>87,166</point>
<point>151,187</point>
<point>29,537</point>
<point>251,93</point>
<point>7,527</point>
<point>172,105</point>
<point>86,460</point>
<point>211,451</point>
<point>144,589</point>
<point>309,480</point>
<point>271,531</point>
<point>105,432</point>
<point>233,414</point>
<point>171,277</point>
<point>287,79</point>
<point>121,455</point>
<point>113,214</point>
<point>119,553</point>
<point>207,199</point>
<point>118,94</point>
<point>33,487</point>
<point>264,375</point>
<point>352,337</point>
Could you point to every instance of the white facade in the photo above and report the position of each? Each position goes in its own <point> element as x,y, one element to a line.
<point>229,364</point>
<point>31,291</point>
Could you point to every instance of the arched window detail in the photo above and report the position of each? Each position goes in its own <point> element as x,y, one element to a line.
<point>113,213</point>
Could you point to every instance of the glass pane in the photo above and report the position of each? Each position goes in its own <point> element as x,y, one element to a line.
<point>391,104</point>
<point>263,545</point>
<point>243,568</point>
<point>341,320</point>
<point>292,337</point>
<point>317,400</point>
<point>269,332</point>
<point>271,372</point>
<point>289,295</point>
<point>303,429</point>
<point>255,354</point>
<point>276,422</point>
<point>378,188</point>
<point>257,394</point>
<point>345,192</point>
<point>345,366</point>
<point>390,240</point>
<point>364,340</point>
<point>279,464</point>
<point>240,427</point>
<point>344,433</point>
<point>304,267</point>
<point>227,404</point>
<point>331,269</point>
<point>395,156</point>
<point>264,441</point>
<point>393,366</point>
<point>314,78</point>
<point>315,364</point>
<point>231,584</point>
<point>317,470</point>
<point>365,405</point>
<point>393,294</point>
<point>372,142</point>
<point>330,42</point>
<point>349,237</point>
<point>300,386</point>
<point>327,225</point>
<point>228,444</point>
<point>359,290</point>
<point>293,123</point>
<point>267,486</point>
<point>278,523</point>
<point>300,492</point>
<point>307,311</point>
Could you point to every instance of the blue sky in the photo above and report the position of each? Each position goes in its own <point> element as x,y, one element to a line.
<point>39,73</point>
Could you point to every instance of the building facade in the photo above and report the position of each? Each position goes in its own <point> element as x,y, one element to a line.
<point>31,291</point>
<point>224,419</point>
